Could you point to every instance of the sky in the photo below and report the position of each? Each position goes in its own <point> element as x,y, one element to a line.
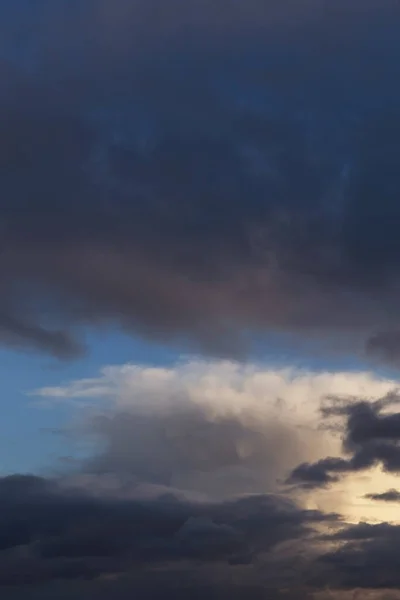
<point>199,292</point>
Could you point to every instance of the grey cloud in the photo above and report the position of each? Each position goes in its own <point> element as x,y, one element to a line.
<point>197,171</point>
<point>329,470</point>
<point>185,446</point>
<point>389,496</point>
<point>50,531</point>
<point>370,436</point>
<point>264,545</point>
<point>199,583</point>
<point>365,423</point>
<point>320,473</point>
<point>369,557</point>
<point>385,346</point>
<point>73,544</point>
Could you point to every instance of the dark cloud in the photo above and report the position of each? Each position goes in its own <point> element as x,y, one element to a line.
<point>366,424</point>
<point>262,545</point>
<point>385,346</point>
<point>389,496</point>
<point>320,473</point>
<point>50,531</point>
<point>370,437</point>
<point>203,582</point>
<point>368,558</point>
<point>197,171</point>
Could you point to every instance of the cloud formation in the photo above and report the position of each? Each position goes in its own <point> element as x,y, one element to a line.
<point>368,558</point>
<point>389,496</point>
<point>198,172</point>
<point>182,492</point>
<point>215,428</point>
<point>202,172</point>
<point>51,532</point>
<point>371,436</point>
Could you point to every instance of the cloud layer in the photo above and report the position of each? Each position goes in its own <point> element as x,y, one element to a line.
<point>51,532</point>
<point>199,171</point>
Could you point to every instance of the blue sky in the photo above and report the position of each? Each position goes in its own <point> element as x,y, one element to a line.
<point>25,445</point>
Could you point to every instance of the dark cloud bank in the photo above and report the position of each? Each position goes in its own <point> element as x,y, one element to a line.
<point>199,170</point>
<point>56,538</point>
<point>49,532</point>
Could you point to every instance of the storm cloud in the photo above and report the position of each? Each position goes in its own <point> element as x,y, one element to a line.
<point>368,558</point>
<point>199,171</point>
<point>49,531</point>
<point>265,545</point>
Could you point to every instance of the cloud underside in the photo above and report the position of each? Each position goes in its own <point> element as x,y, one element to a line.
<point>55,532</point>
<point>55,536</point>
<point>199,173</point>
